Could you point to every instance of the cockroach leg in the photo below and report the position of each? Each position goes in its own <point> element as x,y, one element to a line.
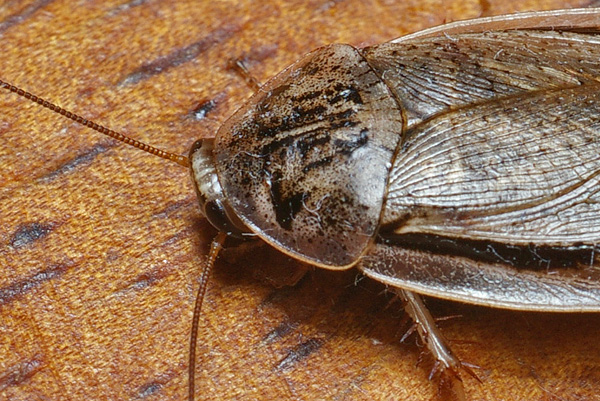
<point>239,67</point>
<point>446,363</point>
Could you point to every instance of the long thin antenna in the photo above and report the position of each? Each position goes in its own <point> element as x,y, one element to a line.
<point>179,159</point>
<point>215,248</point>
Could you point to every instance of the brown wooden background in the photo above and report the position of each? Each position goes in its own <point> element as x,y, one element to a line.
<point>100,245</point>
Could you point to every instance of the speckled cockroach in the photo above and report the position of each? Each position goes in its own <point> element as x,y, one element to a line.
<point>460,162</point>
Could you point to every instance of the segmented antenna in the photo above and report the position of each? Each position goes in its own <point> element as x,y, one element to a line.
<point>215,248</point>
<point>181,160</point>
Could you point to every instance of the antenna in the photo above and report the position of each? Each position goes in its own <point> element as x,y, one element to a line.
<point>217,243</point>
<point>179,159</point>
<point>215,248</point>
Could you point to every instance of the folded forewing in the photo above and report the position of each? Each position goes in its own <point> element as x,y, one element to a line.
<point>521,170</point>
<point>459,278</point>
<point>431,75</point>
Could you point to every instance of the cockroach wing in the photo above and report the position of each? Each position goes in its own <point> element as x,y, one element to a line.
<point>520,171</point>
<point>305,163</point>
<point>496,284</point>
<point>430,75</point>
<point>498,203</point>
<point>570,19</point>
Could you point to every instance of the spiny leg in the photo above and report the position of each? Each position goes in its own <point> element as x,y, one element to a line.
<point>446,363</point>
<point>240,68</point>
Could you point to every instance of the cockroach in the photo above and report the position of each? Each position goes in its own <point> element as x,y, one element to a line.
<point>460,162</point>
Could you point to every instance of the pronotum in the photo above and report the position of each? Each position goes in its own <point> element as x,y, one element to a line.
<point>472,178</point>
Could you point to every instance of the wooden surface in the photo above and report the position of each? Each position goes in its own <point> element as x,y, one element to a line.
<point>101,245</point>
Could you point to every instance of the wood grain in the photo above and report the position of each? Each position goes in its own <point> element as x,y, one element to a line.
<point>101,245</point>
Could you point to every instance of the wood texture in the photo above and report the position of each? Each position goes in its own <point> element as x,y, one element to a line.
<point>100,245</point>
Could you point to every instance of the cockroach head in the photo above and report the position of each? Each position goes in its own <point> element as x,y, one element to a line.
<point>213,204</point>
